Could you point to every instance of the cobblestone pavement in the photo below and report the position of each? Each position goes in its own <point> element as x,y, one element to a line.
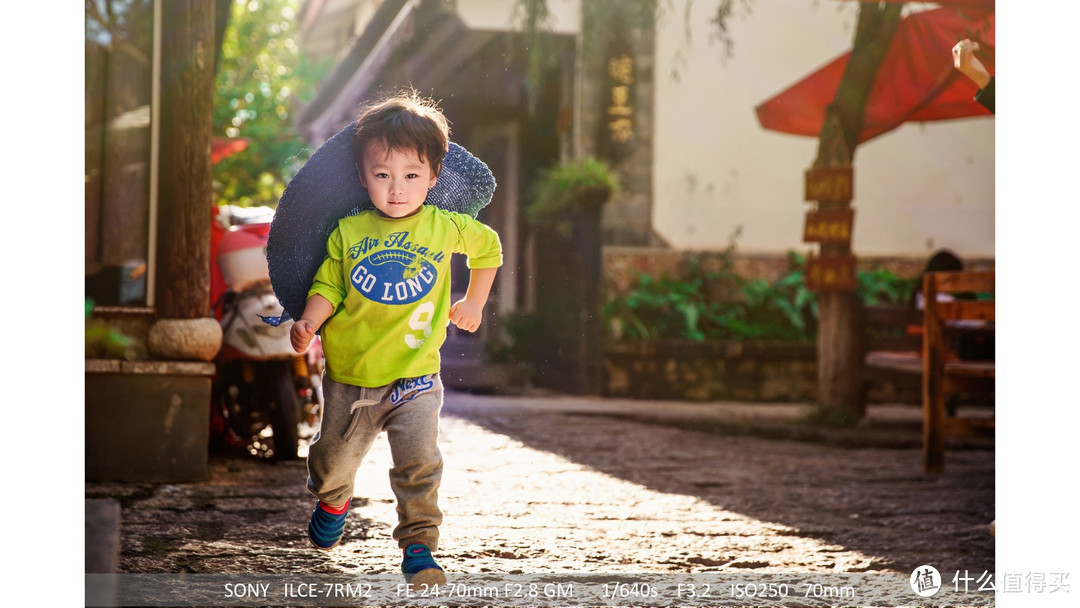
<point>531,488</point>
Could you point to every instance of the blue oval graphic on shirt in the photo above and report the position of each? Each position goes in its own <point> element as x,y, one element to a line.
<point>394,276</point>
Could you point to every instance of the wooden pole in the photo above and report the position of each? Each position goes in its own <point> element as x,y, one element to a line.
<point>185,187</point>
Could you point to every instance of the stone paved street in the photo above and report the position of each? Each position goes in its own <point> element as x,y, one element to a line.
<point>537,485</point>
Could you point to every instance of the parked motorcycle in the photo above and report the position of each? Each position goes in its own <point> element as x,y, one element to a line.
<point>265,395</point>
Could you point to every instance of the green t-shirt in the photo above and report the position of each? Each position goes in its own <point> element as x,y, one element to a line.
<point>389,282</point>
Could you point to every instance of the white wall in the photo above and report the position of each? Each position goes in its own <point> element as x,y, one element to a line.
<point>498,15</point>
<point>917,188</point>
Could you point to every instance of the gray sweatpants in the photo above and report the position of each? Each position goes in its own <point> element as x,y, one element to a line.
<point>353,416</point>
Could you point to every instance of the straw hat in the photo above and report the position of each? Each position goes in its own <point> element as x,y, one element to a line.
<point>327,189</point>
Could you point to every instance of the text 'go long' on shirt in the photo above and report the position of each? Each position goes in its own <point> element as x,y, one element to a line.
<point>389,282</point>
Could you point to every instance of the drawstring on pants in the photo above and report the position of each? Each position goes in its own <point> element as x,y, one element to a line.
<point>355,411</point>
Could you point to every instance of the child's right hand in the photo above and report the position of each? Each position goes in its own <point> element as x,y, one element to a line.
<point>301,334</point>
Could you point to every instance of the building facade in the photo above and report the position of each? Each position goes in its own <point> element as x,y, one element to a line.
<point>646,87</point>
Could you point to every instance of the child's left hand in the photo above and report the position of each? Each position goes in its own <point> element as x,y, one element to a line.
<point>466,315</point>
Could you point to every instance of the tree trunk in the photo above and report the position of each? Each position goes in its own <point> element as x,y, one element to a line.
<point>185,190</point>
<point>222,13</point>
<point>839,350</point>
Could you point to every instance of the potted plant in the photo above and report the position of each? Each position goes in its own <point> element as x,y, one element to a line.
<point>565,211</point>
<point>566,191</point>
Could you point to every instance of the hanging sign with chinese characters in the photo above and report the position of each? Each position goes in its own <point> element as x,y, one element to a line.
<point>829,185</point>
<point>830,226</point>
<point>618,97</point>
<point>830,273</point>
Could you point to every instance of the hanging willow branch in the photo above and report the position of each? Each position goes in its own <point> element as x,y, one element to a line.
<point>725,9</point>
<point>601,18</point>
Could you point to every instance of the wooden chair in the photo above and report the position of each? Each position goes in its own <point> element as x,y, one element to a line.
<point>892,350</point>
<point>943,372</point>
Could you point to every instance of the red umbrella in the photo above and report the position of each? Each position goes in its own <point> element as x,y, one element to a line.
<point>916,81</point>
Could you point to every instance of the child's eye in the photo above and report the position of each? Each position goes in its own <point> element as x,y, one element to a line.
<point>382,175</point>
<point>412,175</point>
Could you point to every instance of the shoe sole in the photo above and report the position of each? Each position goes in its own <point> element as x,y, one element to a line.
<point>429,577</point>
<point>323,548</point>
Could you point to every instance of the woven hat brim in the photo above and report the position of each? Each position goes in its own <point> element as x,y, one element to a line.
<point>327,189</point>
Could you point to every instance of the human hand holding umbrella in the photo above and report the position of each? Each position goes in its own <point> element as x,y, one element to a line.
<point>968,64</point>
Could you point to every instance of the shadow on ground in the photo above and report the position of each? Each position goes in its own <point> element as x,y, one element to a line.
<point>871,499</point>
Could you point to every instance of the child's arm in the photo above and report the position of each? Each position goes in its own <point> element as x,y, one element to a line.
<point>317,310</point>
<point>468,312</point>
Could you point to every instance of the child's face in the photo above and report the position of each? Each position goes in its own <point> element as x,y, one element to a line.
<point>397,182</point>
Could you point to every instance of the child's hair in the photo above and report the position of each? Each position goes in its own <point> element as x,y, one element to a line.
<point>404,121</point>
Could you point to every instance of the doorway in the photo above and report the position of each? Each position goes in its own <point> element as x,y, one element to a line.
<point>497,146</point>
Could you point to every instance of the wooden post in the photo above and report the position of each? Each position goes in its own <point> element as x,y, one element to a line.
<point>185,188</point>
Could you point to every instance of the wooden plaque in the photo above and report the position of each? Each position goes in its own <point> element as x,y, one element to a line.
<point>832,273</point>
<point>829,226</point>
<point>833,185</point>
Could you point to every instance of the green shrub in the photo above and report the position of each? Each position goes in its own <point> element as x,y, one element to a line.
<point>586,181</point>
<point>882,286</point>
<point>517,339</point>
<point>721,305</point>
<point>104,342</point>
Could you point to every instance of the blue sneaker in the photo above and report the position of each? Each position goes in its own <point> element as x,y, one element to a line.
<point>420,568</point>
<point>327,527</point>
